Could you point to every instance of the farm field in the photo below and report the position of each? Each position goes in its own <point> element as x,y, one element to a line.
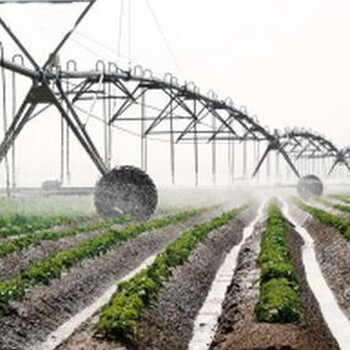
<point>224,270</point>
<point>157,194</point>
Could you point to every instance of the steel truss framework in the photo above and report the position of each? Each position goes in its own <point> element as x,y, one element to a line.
<point>308,145</point>
<point>182,111</point>
<point>183,114</point>
<point>346,153</point>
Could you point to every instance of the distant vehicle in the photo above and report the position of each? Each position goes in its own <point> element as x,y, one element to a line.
<point>51,185</point>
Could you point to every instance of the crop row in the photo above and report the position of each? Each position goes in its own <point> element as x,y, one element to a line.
<point>21,243</point>
<point>119,318</point>
<point>52,267</point>
<point>16,224</point>
<point>339,223</point>
<point>279,299</point>
<point>342,207</point>
<point>341,197</point>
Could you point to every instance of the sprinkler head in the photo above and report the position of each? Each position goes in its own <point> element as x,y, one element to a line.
<point>309,186</point>
<point>126,190</point>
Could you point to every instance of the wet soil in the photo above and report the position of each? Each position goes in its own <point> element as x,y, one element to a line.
<point>238,328</point>
<point>47,307</point>
<point>12,264</point>
<point>168,324</point>
<point>79,221</point>
<point>331,209</point>
<point>333,255</point>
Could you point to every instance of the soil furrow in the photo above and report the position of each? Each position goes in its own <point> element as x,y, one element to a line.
<point>47,307</point>
<point>333,255</point>
<point>13,263</point>
<point>168,324</point>
<point>238,328</point>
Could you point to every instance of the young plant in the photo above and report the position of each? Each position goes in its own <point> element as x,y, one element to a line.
<point>279,300</point>
<point>119,318</point>
<point>52,267</point>
<point>15,224</point>
<point>22,243</point>
<point>339,223</point>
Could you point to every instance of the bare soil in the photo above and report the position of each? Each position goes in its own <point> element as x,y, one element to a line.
<point>238,328</point>
<point>333,255</point>
<point>168,324</point>
<point>77,222</point>
<point>45,308</point>
<point>12,264</point>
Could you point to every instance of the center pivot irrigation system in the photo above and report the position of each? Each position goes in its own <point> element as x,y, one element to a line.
<point>186,115</point>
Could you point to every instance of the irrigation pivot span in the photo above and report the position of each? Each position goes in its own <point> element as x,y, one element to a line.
<point>183,114</point>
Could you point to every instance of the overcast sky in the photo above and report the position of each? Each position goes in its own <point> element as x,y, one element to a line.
<point>287,61</point>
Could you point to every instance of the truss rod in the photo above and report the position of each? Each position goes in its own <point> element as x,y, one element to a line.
<point>79,129</point>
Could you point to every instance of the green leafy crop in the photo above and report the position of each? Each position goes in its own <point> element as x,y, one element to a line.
<point>341,207</point>
<point>119,318</point>
<point>52,267</point>
<point>339,223</point>
<point>21,243</point>
<point>279,300</point>
<point>15,224</point>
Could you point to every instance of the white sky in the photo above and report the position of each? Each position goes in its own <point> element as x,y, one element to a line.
<point>286,60</point>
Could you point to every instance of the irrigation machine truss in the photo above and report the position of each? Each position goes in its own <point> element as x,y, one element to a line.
<point>128,189</point>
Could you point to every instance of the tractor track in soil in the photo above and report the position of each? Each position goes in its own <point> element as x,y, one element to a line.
<point>45,308</point>
<point>168,323</point>
<point>238,328</point>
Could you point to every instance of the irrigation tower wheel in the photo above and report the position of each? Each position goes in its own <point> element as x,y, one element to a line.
<point>126,190</point>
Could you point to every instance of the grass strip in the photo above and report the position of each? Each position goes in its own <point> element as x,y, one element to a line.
<point>11,225</point>
<point>119,318</point>
<point>21,243</point>
<point>52,267</point>
<point>279,299</point>
<point>339,223</point>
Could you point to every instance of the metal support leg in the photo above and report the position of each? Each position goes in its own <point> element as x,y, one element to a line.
<point>245,160</point>
<point>172,145</point>
<point>109,126</point>
<point>261,161</point>
<point>290,163</point>
<point>68,155</point>
<point>277,168</point>
<point>143,134</point>
<point>331,170</point>
<point>233,162</point>
<point>257,158</point>
<point>105,127</point>
<point>16,126</point>
<point>228,161</point>
<point>78,128</point>
<point>196,163</point>
<point>14,109</point>
<point>111,132</point>
<point>4,110</point>
<point>283,153</point>
<point>213,154</point>
<point>62,153</point>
